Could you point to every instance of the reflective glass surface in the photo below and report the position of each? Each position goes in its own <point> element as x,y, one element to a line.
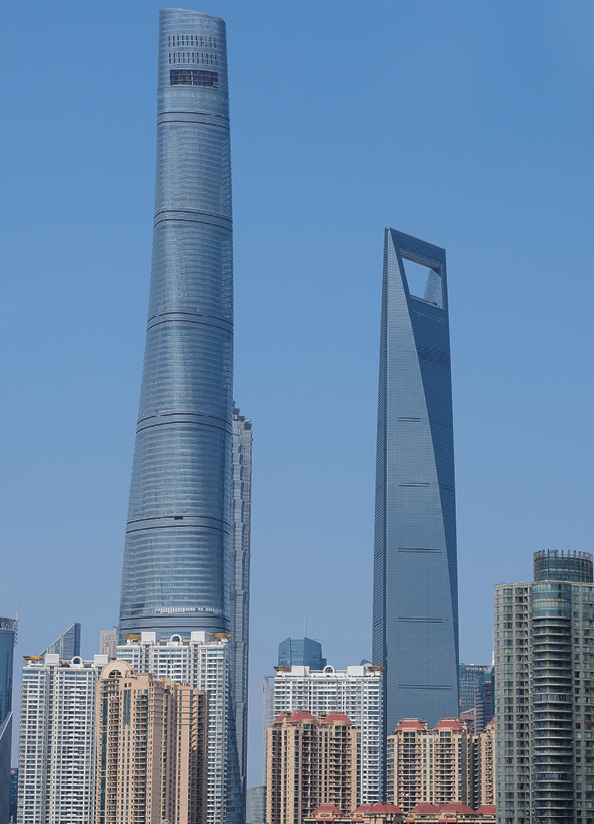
<point>176,557</point>
<point>415,617</point>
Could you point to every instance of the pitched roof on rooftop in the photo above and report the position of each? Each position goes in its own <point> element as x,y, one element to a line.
<point>410,723</point>
<point>449,724</point>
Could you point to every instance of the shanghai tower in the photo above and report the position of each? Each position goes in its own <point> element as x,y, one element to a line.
<point>415,597</point>
<point>176,557</point>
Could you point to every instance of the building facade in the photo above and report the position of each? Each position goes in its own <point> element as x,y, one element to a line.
<point>481,785</point>
<point>181,473</point>
<point>108,643</point>
<point>310,761</point>
<point>355,692</point>
<point>544,694</point>
<point>203,662</point>
<point>470,685</point>
<point>56,739</point>
<point>415,568</point>
<point>256,805</point>
<point>239,554</point>
<point>428,765</point>
<point>151,755</point>
<point>8,637</point>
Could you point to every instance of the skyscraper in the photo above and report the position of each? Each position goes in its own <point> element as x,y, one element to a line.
<point>8,633</point>
<point>544,678</point>
<point>415,612</point>
<point>177,575</point>
<point>176,558</point>
<point>239,552</point>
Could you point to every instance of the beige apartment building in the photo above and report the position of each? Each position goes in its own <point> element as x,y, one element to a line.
<point>151,749</point>
<point>309,761</point>
<point>445,765</point>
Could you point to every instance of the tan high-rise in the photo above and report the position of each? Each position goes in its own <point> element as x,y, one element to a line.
<point>309,761</point>
<point>151,749</point>
<point>482,768</point>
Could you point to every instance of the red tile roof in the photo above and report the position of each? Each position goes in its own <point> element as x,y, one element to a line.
<point>384,808</point>
<point>327,808</point>
<point>448,724</point>
<point>457,807</point>
<point>491,723</point>
<point>410,723</point>
<point>336,718</point>
<point>362,809</point>
<point>486,809</point>
<point>425,809</point>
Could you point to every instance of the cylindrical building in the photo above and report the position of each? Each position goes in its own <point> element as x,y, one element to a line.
<point>552,565</point>
<point>176,557</point>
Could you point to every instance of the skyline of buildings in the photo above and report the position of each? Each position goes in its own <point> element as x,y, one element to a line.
<point>415,584</point>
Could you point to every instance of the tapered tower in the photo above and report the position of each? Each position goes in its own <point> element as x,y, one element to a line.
<point>176,558</point>
<point>415,613</point>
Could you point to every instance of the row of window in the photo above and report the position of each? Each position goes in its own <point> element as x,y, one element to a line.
<point>193,57</point>
<point>192,40</point>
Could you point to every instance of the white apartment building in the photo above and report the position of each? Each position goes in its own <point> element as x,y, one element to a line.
<point>202,662</point>
<point>57,738</point>
<point>357,692</point>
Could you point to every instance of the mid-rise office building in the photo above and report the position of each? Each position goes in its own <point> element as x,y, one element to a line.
<point>56,739</point>
<point>151,754</point>
<point>355,692</point>
<point>256,805</point>
<point>544,693</point>
<point>415,596</point>
<point>310,761</point>
<point>301,652</point>
<point>485,704</point>
<point>203,662</point>
<point>67,645</point>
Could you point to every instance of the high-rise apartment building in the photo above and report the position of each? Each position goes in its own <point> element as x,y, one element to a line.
<point>151,754</point>
<point>56,739</point>
<point>176,558</point>
<point>186,556</point>
<point>67,646</point>
<point>355,692</point>
<point>415,613</point>
<point>544,693</point>
<point>239,554</point>
<point>203,662</point>
<point>429,765</point>
<point>301,652</point>
<point>481,787</point>
<point>310,761</point>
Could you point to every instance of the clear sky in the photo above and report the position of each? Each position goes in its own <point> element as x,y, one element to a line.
<point>468,124</point>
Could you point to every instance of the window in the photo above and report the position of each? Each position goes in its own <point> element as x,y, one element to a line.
<point>193,77</point>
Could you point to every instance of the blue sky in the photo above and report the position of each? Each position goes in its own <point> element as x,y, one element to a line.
<point>467,124</point>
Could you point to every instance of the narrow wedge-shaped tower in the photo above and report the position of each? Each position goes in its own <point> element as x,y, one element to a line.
<point>176,558</point>
<point>415,613</point>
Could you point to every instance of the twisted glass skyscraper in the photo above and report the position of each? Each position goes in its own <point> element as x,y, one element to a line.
<point>415,612</point>
<point>176,557</point>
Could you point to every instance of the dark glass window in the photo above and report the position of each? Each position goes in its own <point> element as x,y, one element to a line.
<point>193,77</point>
